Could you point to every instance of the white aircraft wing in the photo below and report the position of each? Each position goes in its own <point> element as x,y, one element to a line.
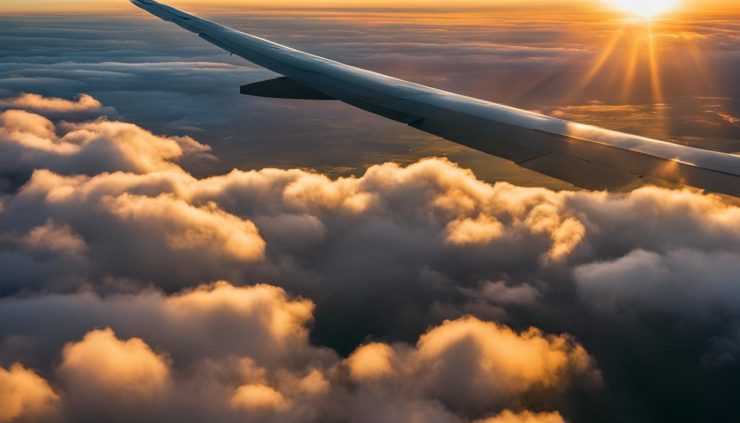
<point>583,155</point>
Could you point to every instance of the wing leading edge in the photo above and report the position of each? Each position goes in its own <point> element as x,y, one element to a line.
<point>583,155</point>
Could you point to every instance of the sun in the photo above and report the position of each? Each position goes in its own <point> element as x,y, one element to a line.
<point>645,8</point>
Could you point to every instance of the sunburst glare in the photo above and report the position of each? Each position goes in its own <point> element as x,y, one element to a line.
<point>631,64</point>
<point>645,8</point>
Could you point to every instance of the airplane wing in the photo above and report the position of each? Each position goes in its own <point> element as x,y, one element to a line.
<point>583,155</point>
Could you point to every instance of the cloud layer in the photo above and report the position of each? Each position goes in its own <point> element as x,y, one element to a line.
<point>410,292</point>
<point>237,352</point>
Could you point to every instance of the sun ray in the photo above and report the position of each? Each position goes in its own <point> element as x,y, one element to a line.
<point>698,62</point>
<point>598,63</point>
<point>629,75</point>
<point>655,82</point>
<point>659,106</point>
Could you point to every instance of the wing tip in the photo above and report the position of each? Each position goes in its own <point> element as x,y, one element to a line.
<point>162,11</point>
<point>144,4</point>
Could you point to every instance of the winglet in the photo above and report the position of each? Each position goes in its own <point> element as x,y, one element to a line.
<point>151,7</point>
<point>162,11</point>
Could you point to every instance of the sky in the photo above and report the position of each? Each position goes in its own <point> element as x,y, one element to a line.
<point>174,251</point>
<point>121,5</point>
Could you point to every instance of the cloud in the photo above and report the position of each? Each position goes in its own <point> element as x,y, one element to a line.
<point>218,350</point>
<point>473,365</point>
<point>469,231</point>
<point>133,223</point>
<point>103,375</point>
<point>24,395</point>
<point>524,417</point>
<point>213,320</point>
<point>272,324</point>
<point>119,233</point>
<point>53,237</point>
<point>371,361</point>
<point>102,364</point>
<point>29,141</point>
<point>500,293</point>
<point>38,103</point>
<point>704,122</point>
<point>377,406</point>
<point>239,352</point>
<point>258,397</point>
<point>681,281</point>
<point>424,277</point>
<point>728,118</point>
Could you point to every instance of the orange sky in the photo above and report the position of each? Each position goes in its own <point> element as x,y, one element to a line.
<point>10,6</point>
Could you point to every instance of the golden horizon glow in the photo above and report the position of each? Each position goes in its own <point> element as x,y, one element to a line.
<point>645,8</point>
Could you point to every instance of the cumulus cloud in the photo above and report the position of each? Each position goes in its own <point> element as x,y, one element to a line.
<point>215,350</point>
<point>469,366</point>
<point>473,365</point>
<point>372,361</point>
<point>133,223</point>
<point>259,398</point>
<point>271,323</point>
<point>103,364</point>
<point>214,320</point>
<point>53,237</point>
<point>120,233</point>
<point>473,231</point>
<point>243,352</point>
<point>24,395</point>
<point>424,277</point>
<point>30,141</point>
<point>389,228</point>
